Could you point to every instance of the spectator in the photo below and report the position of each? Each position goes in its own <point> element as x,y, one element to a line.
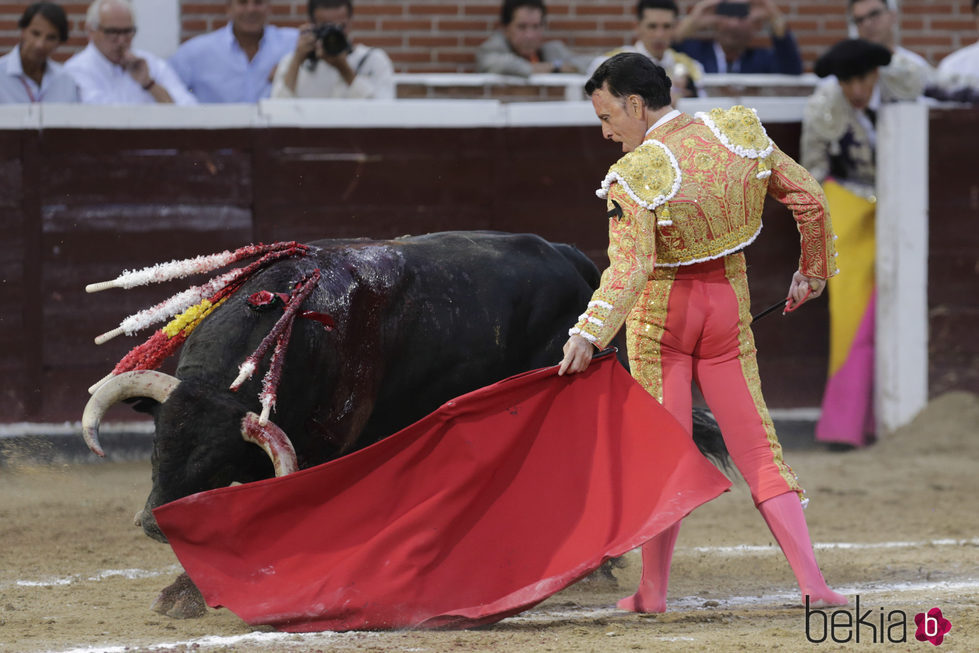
<point>734,24</point>
<point>109,71</point>
<point>325,64</point>
<point>27,73</point>
<point>519,48</point>
<point>958,73</point>
<point>236,62</point>
<point>656,22</point>
<point>838,148</point>
<point>877,22</point>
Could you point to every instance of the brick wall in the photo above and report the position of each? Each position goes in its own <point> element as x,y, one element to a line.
<point>441,35</point>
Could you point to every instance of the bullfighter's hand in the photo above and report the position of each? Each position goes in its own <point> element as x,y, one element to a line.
<point>577,355</point>
<point>804,288</point>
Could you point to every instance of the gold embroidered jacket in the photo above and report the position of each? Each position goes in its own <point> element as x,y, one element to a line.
<point>693,191</point>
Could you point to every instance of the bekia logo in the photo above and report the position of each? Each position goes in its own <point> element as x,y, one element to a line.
<point>932,626</point>
<point>873,626</point>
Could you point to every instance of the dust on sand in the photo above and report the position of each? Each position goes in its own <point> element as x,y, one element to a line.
<point>896,524</point>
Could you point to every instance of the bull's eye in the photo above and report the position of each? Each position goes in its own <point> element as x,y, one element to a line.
<point>265,300</point>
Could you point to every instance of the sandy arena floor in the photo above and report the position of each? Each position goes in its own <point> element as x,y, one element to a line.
<point>897,524</point>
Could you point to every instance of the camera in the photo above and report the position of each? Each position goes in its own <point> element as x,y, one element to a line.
<point>333,40</point>
<point>733,9</point>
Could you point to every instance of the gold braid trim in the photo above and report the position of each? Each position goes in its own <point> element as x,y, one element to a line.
<point>735,271</point>
<point>644,332</point>
<point>632,254</point>
<point>740,131</point>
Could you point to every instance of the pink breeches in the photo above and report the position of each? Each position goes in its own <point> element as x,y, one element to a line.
<point>693,323</point>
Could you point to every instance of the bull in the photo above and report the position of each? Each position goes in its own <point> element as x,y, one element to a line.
<point>392,330</point>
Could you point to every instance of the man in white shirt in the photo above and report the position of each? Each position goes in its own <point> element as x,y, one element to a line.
<point>960,70</point>
<point>235,63</point>
<point>877,22</point>
<point>27,73</point>
<point>109,71</point>
<point>326,65</point>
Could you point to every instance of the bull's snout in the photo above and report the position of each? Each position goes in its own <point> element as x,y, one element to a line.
<point>144,519</point>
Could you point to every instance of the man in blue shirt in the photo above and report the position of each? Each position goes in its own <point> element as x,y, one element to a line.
<point>235,63</point>
<point>733,24</point>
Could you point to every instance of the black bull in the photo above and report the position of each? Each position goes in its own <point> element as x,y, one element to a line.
<point>415,322</point>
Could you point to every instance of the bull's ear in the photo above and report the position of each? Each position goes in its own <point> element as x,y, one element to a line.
<point>143,405</point>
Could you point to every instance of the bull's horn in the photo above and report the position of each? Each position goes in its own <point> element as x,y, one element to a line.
<point>273,440</point>
<point>141,383</point>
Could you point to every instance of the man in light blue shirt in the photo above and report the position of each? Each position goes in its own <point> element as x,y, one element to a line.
<point>235,63</point>
<point>27,73</point>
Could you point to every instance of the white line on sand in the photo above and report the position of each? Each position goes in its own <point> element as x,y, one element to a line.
<point>543,616</point>
<point>937,590</point>
<point>828,546</point>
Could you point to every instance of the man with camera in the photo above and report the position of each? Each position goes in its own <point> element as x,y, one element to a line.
<point>325,64</point>
<point>731,25</point>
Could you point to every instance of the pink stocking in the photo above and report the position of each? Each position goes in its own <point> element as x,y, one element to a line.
<point>657,554</point>
<point>783,514</point>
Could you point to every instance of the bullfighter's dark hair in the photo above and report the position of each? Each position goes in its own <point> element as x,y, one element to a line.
<point>975,5</point>
<point>510,6</point>
<point>313,5</point>
<point>631,73</point>
<point>51,12</point>
<point>852,58</point>
<point>668,5</point>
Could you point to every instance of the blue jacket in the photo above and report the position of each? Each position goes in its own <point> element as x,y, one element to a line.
<point>783,57</point>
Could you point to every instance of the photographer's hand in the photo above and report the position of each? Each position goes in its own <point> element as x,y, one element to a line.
<point>767,12</point>
<point>305,44</point>
<point>340,63</point>
<point>701,17</point>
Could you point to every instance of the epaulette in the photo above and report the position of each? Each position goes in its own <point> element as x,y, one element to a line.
<point>827,113</point>
<point>740,131</point>
<point>694,69</point>
<point>649,174</point>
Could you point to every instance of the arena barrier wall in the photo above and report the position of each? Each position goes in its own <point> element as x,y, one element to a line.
<point>86,192</point>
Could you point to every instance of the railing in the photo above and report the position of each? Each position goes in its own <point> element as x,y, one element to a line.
<point>564,86</point>
<point>400,114</point>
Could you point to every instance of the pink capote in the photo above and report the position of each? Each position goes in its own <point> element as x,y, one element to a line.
<point>482,509</point>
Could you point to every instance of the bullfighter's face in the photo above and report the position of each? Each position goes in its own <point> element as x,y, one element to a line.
<point>858,90</point>
<point>623,119</point>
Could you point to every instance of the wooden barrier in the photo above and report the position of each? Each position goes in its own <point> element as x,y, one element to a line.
<point>78,205</point>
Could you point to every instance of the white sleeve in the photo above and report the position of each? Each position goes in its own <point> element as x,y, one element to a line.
<point>374,77</point>
<point>166,77</point>
<point>91,87</point>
